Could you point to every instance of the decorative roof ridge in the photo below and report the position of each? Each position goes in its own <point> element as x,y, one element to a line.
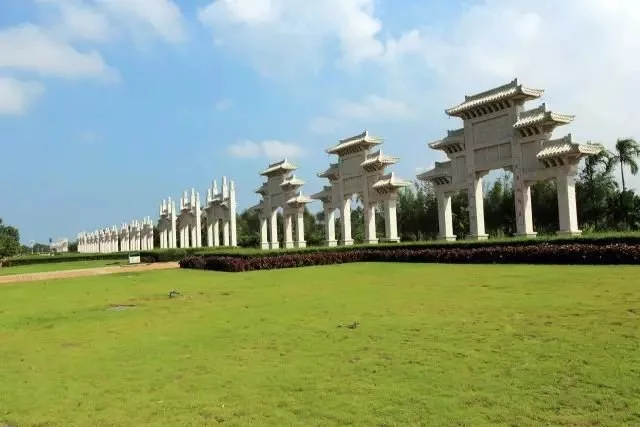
<point>542,109</point>
<point>513,84</point>
<point>362,136</point>
<point>492,95</point>
<point>455,132</point>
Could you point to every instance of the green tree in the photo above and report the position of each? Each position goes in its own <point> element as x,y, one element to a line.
<point>627,154</point>
<point>9,240</point>
<point>595,186</point>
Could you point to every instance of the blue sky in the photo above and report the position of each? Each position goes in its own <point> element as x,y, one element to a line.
<point>109,106</point>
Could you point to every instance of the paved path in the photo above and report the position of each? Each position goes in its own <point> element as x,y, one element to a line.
<point>99,271</point>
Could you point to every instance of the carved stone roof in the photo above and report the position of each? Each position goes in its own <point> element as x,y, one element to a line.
<point>360,142</point>
<point>567,147</point>
<point>263,189</point>
<point>292,182</point>
<point>325,194</point>
<point>512,90</point>
<point>378,161</point>
<point>257,207</point>
<point>389,183</point>
<point>299,200</point>
<point>279,168</point>
<point>541,115</point>
<point>332,173</point>
<point>453,141</point>
<point>440,170</point>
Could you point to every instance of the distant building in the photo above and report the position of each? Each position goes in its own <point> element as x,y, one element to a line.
<point>59,246</point>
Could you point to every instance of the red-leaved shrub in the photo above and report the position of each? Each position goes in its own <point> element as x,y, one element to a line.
<point>572,253</point>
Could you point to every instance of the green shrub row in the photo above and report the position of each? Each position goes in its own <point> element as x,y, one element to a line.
<point>174,255</point>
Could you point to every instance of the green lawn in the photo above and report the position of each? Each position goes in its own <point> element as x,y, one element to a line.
<point>58,266</point>
<point>435,345</point>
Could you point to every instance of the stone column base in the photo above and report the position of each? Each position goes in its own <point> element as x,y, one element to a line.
<point>371,242</point>
<point>275,245</point>
<point>478,237</point>
<point>301,245</point>
<point>347,242</point>
<point>526,235</point>
<point>448,238</point>
<point>331,243</point>
<point>570,233</point>
<point>289,245</point>
<point>265,246</point>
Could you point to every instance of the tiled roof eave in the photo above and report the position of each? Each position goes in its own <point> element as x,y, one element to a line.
<point>508,93</point>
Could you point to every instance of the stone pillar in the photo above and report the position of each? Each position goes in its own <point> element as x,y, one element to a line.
<point>173,234</point>
<point>330,226</point>
<point>216,233</point>
<point>370,236</point>
<point>274,229</point>
<point>194,236</point>
<point>390,221</point>
<point>225,233</point>
<point>567,211</point>
<point>209,230</point>
<point>445,217</point>
<point>300,242</point>
<point>476,207</point>
<point>345,221</point>
<point>184,236</point>
<point>524,214</point>
<point>198,221</point>
<point>264,232</point>
<point>232,215</point>
<point>288,230</point>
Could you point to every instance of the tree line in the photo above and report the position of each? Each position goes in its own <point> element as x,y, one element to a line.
<point>603,205</point>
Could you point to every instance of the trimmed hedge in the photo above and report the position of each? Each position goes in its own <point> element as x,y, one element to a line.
<point>44,259</point>
<point>541,253</point>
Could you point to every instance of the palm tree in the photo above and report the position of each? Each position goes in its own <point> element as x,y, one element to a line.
<point>627,154</point>
<point>598,182</point>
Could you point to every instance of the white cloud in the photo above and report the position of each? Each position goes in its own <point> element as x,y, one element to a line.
<point>30,48</point>
<point>162,16</point>
<point>581,51</point>
<point>372,107</point>
<point>368,109</point>
<point>279,34</point>
<point>16,96</point>
<point>49,47</point>
<point>102,20</point>
<point>271,149</point>
<point>74,19</point>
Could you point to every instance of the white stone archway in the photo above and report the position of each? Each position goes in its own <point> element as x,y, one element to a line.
<point>134,236</point>
<point>362,172</point>
<point>281,190</point>
<point>189,218</point>
<point>167,224</point>
<point>498,133</point>
<point>146,234</point>
<point>125,238</point>
<point>82,242</point>
<point>221,208</point>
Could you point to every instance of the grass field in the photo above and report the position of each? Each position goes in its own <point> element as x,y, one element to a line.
<point>58,266</point>
<point>434,345</point>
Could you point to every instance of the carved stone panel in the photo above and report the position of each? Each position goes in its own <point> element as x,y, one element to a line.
<point>493,131</point>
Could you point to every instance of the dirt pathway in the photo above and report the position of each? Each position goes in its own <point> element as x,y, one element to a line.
<point>99,271</point>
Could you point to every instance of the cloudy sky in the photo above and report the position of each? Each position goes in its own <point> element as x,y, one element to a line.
<point>108,106</point>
